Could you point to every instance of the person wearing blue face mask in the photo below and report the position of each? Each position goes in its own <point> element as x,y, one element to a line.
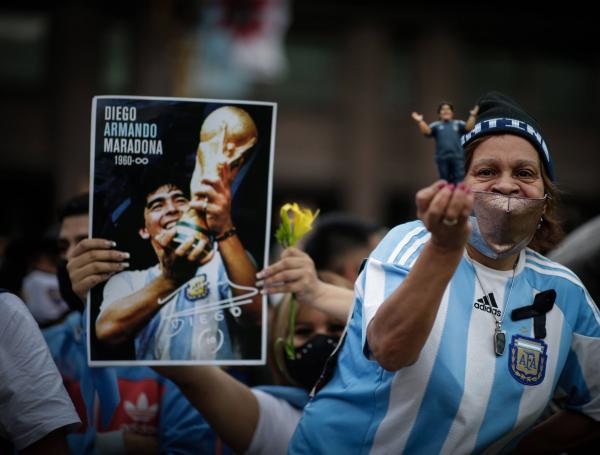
<point>462,329</point>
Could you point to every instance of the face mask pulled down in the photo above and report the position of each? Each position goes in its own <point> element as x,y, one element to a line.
<point>503,225</point>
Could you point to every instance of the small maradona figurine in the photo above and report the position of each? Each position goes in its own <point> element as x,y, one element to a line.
<point>447,132</point>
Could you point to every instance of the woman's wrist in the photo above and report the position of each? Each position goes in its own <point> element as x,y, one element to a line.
<point>444,251</point>
<point>225,234</point>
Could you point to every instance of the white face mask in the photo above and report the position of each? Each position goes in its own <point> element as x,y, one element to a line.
<point>504,225</point>
<point>41,294</point>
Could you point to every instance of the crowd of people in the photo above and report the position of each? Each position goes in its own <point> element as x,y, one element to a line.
<point>453,333</point>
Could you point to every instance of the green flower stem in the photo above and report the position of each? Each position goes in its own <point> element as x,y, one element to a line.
<point>289,345</point>
<point>287,235</point>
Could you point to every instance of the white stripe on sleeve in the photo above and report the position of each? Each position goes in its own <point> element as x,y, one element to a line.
<point>405,240</point>
<point>407,391</point>
<point>374,291</point>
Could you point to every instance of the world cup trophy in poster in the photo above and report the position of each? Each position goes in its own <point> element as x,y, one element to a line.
<point>194,216</point>
<point>225,137</point>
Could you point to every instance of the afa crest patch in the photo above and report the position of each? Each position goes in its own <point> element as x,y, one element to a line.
<point>197,288</point>
<point>527,360</point>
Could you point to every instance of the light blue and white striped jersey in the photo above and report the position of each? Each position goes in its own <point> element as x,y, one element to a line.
<point>459,397</point>
<point>191,326</point>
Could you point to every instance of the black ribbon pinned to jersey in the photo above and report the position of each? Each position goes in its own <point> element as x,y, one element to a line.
<point>542,304</point>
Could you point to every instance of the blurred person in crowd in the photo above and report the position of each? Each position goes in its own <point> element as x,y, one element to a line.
<point>461,329</point>
<point>340,242</point>
<point>40,288</point>
<point>123,409</point>
<point>29,271</point>
<point>35,410</point>
<point>160,308</point>
<point>446,131</point>
<point>73,220</point>
<point>580,251</point>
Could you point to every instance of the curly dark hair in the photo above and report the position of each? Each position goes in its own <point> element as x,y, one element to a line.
<point>151,180</point>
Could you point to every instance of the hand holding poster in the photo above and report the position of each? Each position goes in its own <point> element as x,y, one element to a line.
<point>183,186</point>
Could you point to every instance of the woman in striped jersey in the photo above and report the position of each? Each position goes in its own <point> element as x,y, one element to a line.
<point>461,331</point>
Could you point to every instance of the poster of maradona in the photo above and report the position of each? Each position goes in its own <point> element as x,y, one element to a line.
<point>183,186</point>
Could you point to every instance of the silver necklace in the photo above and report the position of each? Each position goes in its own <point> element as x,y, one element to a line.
<point>499,334</point>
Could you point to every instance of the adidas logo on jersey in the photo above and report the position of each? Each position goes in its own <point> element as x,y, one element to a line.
<point>141,411</point>
<point>488,304</point>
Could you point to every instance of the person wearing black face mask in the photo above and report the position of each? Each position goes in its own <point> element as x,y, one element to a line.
<point>316,335</point>
<point>319,322</point>
<point>460,330</point>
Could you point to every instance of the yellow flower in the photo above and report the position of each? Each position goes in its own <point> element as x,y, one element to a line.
<point>296,222</point>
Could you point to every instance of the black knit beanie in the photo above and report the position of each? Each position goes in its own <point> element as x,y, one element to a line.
<point>500,114</point>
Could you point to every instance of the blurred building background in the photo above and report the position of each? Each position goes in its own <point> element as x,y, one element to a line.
<point>346,76</point>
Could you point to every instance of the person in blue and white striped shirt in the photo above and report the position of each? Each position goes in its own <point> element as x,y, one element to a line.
<point>461,330</point>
